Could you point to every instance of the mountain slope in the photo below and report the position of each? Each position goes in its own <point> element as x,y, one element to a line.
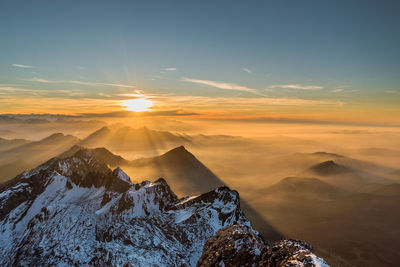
<point>127,139</point>
<point>33,153</point>
<point>186,174</point>
<point>78,211</point>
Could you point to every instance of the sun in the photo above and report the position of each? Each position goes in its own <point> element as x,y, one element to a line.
<point>137,104</point>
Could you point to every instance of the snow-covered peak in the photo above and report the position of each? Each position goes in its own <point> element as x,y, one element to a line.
<point>76,210</point>
<point>121,175</point>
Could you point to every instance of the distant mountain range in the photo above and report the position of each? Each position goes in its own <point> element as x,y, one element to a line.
<point>17,155</point>
<point>342,210</point>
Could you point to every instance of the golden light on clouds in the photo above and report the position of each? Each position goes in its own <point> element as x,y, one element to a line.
<point>137,104</point>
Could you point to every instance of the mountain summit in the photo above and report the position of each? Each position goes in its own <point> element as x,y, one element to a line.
<point>329,167</point>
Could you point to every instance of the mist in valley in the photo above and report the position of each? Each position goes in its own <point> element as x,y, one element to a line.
<point>335,186</point>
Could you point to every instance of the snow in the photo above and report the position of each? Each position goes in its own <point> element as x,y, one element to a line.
<point>183,215</point>
<point>186,199</point>
<point>17,188</point>
<point>318,262</point>
<point>57,182</point>
<point>122,175</point>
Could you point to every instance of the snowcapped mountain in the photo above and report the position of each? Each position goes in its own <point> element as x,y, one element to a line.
<point>78,211</point>
<point>75,210</point>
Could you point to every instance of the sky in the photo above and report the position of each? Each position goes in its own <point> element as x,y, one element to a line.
<point>316,60</point>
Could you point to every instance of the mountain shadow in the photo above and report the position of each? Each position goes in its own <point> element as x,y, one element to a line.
<point>188,176</point>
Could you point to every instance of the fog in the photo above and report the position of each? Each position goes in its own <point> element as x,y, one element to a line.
<point>341,195</point>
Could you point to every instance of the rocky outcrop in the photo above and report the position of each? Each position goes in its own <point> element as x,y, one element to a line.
<point>241,245</point>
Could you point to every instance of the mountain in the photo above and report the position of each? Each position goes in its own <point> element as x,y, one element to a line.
<point>342,176</point>
<point>352,163</point>
<point>78,211</point>
<point>329,168</point>
<point>127,139</point>
<point>45,148</point>
<point>189,176</point>
<point>75,210</point>
<point>97,138</point>
<point>33,153</point>
<point>343,225</point>
<point>186,174</point>
<point>101,154</point>
<point>131,142</point>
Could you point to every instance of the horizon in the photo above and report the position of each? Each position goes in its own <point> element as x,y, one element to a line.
<point>308,61</point>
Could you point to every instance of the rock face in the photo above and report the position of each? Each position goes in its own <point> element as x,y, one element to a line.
<point>241,245</point>
<point>77,211</point>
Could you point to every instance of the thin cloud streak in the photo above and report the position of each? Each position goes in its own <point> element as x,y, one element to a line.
<point>337,90</point>
<point>103,84</point>
<point>22,66</point>
<point>392,92</point>
<point>247,70</point>
<point>170,69</point>
<point>200,101</point>
<point>39,92</point>
<point>40,80</point>
<point>220,85</point>
<point>296,86</point>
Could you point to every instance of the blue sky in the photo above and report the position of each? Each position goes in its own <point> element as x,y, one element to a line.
<point>317,50</point>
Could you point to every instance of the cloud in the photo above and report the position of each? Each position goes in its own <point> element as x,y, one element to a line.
<point>337,90</point>
<point>11,90</point>
<point>297,86</point>
<point>41,80</point>
<point>104,95</point>
<point>22,66</point>
<point>247,70</point>
<point>233,102</point>
<point>220,85</point>
<point>170,69</point>
<point>102,84</point>
<point>129,114</point>
<point>392,92</point>
<point>81,68</point>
